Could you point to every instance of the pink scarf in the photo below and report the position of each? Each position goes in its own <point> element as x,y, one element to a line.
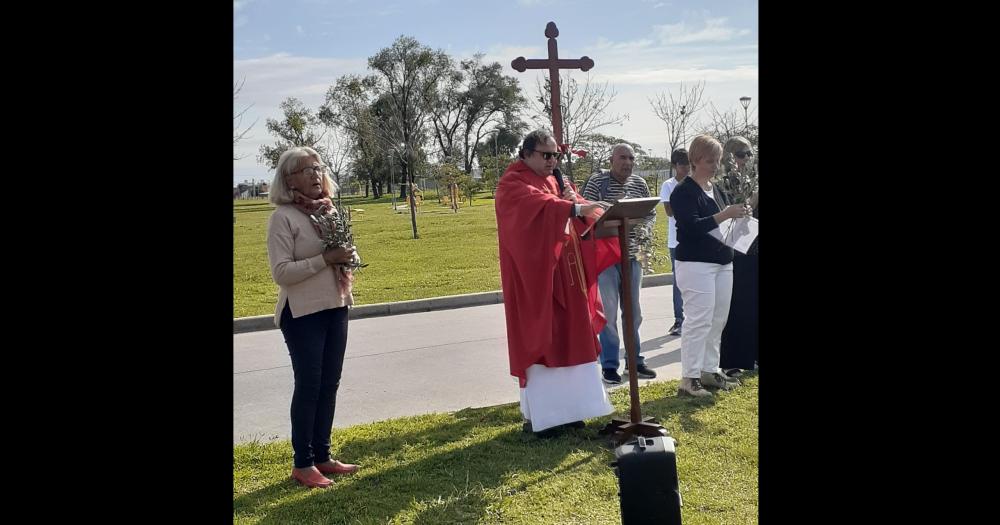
<point>319,207</point>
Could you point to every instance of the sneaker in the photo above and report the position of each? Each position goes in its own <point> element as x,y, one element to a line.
<point>717,380</point>
<point>643,372</point>
<point>611,376</point>
<point>733,373</point>
<point>675,329</point>
<point>692,387</point>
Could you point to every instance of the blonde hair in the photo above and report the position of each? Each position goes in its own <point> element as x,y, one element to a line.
<point>280,193</point>
<point>702,146</point>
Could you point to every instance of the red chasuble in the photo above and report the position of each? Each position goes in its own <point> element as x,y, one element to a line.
<point>549,275</point>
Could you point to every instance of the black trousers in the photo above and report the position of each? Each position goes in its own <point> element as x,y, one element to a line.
<point>316,343</point>
<point>740,338</point>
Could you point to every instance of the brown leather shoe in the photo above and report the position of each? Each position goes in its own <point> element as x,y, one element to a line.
<point>335,467</point>
<point>310,477</point>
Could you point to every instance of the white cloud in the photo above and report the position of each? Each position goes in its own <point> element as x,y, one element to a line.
<point>681,52</point>
<point>529,2</point>
<point>298,29</point>
<point>604,44</point>
<point>271,79</point>
<point>613,59</point>
<point>239,5</point>
<point>714,30</point>
<point>671,75</point>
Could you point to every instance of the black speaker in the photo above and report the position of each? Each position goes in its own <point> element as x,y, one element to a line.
<point>647,481</point>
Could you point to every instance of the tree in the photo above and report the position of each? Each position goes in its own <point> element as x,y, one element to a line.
<point>350,105</point>
<point>503,140</point>
<point>447,105</point>
<point>473,100</point>
<point>650,163</point>
<point>493,98</point>
<point>391,105</point>
<point>299,127</point>
<point>724,125</point>
<point>677,113</point>
<point>599,148</point>
<point>448,177</point>
<point>728,124</point>
<point>337,145</point>
<point>469,186</point>
<point>238,119</point>
<point>493,167</point>
<point>583,111</point>
<point>407,73</point>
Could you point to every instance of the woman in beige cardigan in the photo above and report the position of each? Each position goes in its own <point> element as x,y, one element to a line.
<point>314,293</point>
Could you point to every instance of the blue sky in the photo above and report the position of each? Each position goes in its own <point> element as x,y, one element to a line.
<point>285,48</point>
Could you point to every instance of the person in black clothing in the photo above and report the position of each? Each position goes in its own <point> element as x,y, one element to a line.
<point>739,347</point>
<point>704,268</point>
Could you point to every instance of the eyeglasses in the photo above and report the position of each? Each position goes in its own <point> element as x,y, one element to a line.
<point>311,170</point>
<point>549,155</point>
<point>743,154</point>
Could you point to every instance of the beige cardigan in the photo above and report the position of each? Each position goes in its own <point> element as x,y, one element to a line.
<point>295,251</point>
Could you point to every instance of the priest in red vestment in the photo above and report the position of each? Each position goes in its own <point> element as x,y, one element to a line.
<point>549,277</point>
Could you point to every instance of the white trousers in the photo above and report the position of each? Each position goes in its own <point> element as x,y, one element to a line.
<point>707,290</point>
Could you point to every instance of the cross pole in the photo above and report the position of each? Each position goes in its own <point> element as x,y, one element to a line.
<point>553,64</point>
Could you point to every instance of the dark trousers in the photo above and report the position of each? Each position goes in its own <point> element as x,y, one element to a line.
<point>316,344</point>
<point>678,302</point>
<point>740,338</point>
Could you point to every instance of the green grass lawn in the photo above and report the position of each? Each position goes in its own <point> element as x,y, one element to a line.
<point>456,252</point>
<point>477,466</point>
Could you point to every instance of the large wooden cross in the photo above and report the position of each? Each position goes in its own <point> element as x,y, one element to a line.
<point>553,64</point>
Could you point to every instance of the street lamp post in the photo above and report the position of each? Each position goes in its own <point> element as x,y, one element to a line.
<point>680,136</point>
<point>683,123</point>
<point>392,194</point>
<point>746,103</point>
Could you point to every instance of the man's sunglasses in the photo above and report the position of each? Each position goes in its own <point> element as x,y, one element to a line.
<point>550,155</point>
<point>743,154</point>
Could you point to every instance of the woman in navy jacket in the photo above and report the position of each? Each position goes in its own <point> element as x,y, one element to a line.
<point>704,269</point>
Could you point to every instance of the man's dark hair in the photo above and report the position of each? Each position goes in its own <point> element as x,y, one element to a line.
<point>679,156</point>
<point>533,139</point>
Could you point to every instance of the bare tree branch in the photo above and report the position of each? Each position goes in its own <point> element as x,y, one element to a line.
<point>583,113</point>
<point>238,119</point>
<point>724,125</point>
<point>678,112</point>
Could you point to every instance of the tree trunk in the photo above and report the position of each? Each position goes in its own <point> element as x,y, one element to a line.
<point>413,203</point>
